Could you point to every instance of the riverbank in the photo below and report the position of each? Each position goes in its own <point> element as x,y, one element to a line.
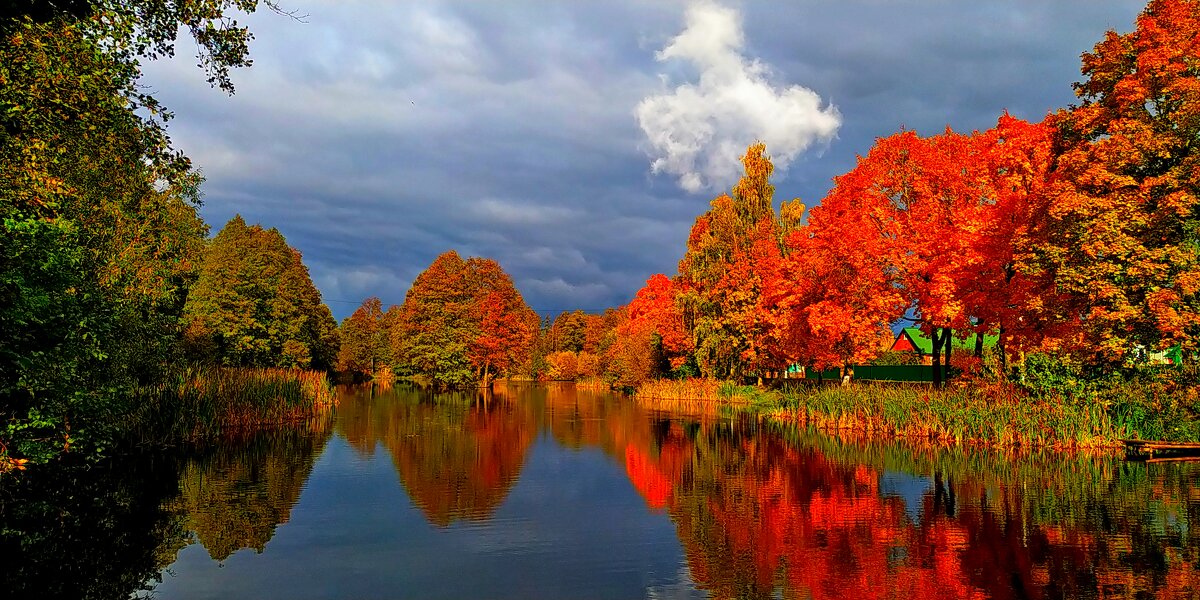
<point>992,415</point>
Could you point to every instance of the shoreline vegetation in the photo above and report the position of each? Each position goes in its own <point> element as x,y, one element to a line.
<point>204,404</point>
<point>969,413</point>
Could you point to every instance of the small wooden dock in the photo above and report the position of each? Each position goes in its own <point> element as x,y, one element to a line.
<point>1159,451</point>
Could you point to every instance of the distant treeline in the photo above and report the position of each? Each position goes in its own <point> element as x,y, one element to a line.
<point>463,323</point>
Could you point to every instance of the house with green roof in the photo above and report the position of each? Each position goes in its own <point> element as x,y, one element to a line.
<point>911,339</point>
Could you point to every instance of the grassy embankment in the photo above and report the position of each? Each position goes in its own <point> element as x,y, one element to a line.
<point>995,415</point>
<point>199,405</point>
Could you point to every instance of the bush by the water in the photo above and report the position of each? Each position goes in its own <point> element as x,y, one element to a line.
<point>1153,402</point>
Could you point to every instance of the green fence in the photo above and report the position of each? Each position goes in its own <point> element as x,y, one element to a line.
<point>919,373</point>
<point>894,373</point>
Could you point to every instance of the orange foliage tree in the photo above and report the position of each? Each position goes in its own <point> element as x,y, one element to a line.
<point>908,217</point>
<point>655,309</point>
<point>505,327</point>
<point>732,255</point>
<point>833,307</point>
<point>1008,290</point>
<point>1123,238</point>
<point>633,356</point>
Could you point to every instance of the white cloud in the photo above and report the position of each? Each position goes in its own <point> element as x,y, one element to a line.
<point>697,131</point>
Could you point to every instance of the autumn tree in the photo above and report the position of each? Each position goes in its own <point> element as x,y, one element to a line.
<point>834,307</point>
<point>463,322</point>
<point>1124,238</point>
<point>655,308</point>
<point>1008,290</point>
<point>506,326</point>
<point>254,299</point>
<point>635,355</point>
<point>363,336</point>
<point>909,216</point>
<point>596,329</point>
<point>722,277</point>
<point>562,366</point>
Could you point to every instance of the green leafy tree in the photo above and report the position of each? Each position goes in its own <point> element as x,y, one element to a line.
<point>463,322</point>
<point>720,276</point>
<point>98,228</point>
<point>256,303</point>
<point>99,235</point>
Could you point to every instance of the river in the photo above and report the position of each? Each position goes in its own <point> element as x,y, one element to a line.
<point>545,491</point>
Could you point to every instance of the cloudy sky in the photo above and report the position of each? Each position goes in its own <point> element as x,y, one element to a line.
<point>576,141</point>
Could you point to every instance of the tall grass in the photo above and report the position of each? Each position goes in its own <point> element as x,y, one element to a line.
<point>685,389</point>
<point>993,416</point>
<point>1154,409</point>
<point>199,404</point>
<point>593,383</point>
<point>702,390</point>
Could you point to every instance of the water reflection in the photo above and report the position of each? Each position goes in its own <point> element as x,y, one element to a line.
<point>766,510</point>
<point>761,512</point>
<point>549,491</point>
<point>234,497</point>
<point>457,455</point>
<point>108,530</point>
<point>87,531</point>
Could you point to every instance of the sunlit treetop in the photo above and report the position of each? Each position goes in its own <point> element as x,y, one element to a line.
<point>150,28</point>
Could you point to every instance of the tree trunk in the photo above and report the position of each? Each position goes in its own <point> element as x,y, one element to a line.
<point>979,340</point>
<point>948,344</point>
<point>937,358</point>
<point>1003,355</point>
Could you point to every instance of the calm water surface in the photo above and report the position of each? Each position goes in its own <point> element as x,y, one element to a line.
<point>550,492</point>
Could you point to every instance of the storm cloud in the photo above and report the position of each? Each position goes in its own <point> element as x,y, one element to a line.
<point>377,134</point>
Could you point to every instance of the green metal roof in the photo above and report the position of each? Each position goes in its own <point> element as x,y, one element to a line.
<point>924,344</point>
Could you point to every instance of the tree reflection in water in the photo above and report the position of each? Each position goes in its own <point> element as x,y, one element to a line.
<point>236,495</point>
<point>457,455</point>
<point>763,510</point>
<point>108,530</point>
<point>87,531</point>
